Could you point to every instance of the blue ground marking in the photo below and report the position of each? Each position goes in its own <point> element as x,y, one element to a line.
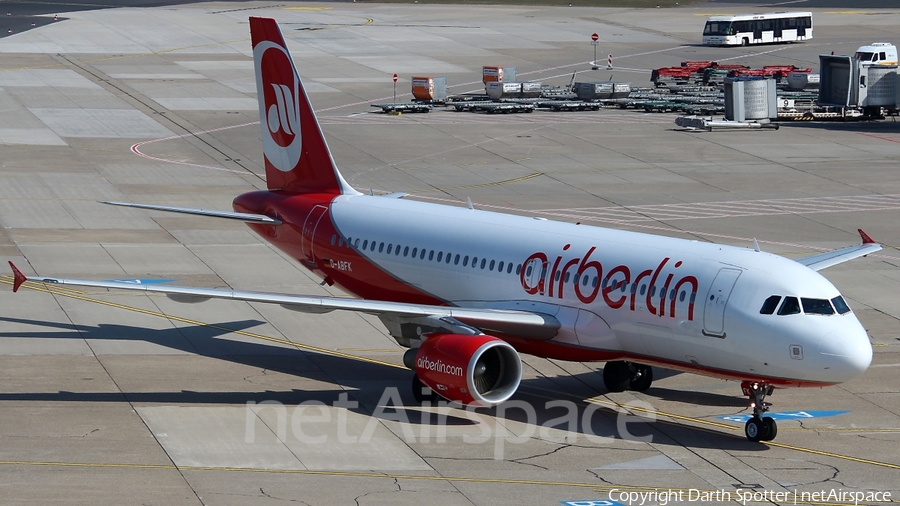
<point>143,281</point>
<point>788,415</point>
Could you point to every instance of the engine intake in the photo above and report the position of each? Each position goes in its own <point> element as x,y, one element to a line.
<point>480,370</point>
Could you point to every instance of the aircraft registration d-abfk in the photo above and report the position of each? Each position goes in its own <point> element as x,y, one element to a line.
<point>468,290</point>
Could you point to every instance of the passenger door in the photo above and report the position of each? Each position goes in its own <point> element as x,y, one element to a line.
<point>716,300</point>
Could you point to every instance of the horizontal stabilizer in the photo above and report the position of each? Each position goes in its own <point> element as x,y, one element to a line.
<point>231,215</point>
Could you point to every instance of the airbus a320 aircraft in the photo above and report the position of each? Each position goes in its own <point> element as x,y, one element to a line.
<point>468,290</point>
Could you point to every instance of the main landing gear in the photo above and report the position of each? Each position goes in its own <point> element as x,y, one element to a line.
<point>619,376</point>
<point>759,428</point>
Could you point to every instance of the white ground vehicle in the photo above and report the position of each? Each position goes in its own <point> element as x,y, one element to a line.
<point>877,53</point>
<point>746,29</point>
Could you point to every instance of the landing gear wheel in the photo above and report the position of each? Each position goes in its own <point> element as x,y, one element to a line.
<point>756,430</point>
<point>421,392</point>
<point>617,376</point>
<point>759,428</point>
<point>642,378</point>
<point>771,428</point>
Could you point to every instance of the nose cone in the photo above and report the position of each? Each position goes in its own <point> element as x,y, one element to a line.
<point>846,351</point>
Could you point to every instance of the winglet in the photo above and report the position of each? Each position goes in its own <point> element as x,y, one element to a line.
<point>865,237</point>
<point>19,277</point>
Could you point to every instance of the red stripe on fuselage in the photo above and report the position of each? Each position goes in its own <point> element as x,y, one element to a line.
<point>334,261</point>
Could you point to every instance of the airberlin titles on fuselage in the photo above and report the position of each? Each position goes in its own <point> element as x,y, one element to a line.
<point>537,278</point>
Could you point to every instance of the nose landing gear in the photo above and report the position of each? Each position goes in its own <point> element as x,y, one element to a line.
<point>759,428</point>
<point>619,376</point>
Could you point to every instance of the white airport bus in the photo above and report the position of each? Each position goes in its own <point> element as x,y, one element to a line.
<point>746,29</point>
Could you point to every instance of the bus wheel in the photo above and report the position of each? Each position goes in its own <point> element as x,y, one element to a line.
<point>745,42</point>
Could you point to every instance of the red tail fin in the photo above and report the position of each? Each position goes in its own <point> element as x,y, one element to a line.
<point>296,155</point>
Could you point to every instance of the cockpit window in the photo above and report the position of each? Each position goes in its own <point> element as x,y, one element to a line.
<point>840,305</point>
<point>816,306</point>
<point>770,304</point>
<point>790,306</point>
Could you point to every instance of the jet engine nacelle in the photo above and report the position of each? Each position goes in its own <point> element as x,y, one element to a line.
<point>480,370</point>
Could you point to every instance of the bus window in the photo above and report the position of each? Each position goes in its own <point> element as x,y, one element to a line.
<point>717,28</point>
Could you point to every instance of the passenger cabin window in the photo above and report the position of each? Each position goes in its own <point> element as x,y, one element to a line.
<point>790,306</point>
<point>770,304</point>
<point>816,306</point>
<point>840,305</point>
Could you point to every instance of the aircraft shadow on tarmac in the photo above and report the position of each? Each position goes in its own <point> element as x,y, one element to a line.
<point>697,398</point>
<point>600,421</point>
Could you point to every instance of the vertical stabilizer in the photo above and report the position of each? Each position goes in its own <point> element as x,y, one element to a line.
<point>296,156</point>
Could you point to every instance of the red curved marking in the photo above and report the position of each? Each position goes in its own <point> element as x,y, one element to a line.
<point>135,148</point>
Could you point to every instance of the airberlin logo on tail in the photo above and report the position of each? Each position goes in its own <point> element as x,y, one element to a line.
<point>283,117</point>
<point>279,104</point>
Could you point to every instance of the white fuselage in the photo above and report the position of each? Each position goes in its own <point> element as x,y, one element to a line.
<point>667,301</point>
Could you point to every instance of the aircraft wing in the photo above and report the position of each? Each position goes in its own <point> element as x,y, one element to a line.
<point>829,258</point>
<point>531,325</point>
